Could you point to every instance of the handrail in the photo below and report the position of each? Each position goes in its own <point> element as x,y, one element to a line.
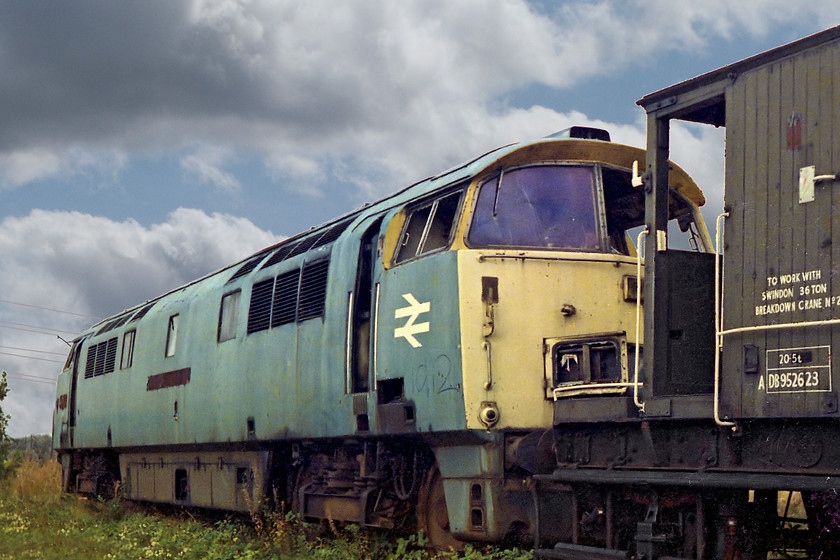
<point>719,326</point>
<point>639,259</point>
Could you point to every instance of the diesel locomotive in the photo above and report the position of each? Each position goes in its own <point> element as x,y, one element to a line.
<point>396,367</point>
<point>518,347</point>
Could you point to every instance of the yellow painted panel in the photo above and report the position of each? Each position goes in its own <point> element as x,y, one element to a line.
<point>533,288</point>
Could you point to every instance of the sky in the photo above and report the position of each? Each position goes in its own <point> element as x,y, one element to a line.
<point>145,144</point>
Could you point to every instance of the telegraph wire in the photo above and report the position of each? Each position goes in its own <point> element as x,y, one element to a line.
<point>48,309</point>
<point>41,330</point>
<point>31,378</point>
<point>31,357</point>
<point>33,350</point>
<point>29,375</point>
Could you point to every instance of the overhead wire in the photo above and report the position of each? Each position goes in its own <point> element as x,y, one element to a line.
<point>31,357</point>
<point>35,329</point>
<point>33,350</point>
<point>31,378</point>
<point>47,309</point>
<point>40,328</point>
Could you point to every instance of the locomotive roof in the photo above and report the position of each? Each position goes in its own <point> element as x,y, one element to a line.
<point>573,150</point>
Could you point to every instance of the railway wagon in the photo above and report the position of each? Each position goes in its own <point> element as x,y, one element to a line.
<point>395,367</point>
<point>697,470</point>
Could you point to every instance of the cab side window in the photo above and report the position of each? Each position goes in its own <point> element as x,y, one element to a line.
<point>429,226</point>
<point>171,336</point>
<point>228,316</point>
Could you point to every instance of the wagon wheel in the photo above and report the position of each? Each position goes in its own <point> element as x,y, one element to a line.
<point>432,515</point>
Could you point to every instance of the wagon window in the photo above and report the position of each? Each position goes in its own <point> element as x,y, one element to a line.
<point>547,206</point>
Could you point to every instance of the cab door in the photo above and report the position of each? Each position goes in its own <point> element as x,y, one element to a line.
<point>361,355</point>
<point>362,322</point>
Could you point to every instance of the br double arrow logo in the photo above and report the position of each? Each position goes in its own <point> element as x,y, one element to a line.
<point>413,310</point>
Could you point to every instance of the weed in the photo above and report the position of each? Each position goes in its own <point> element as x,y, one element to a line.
<point>37,521</point>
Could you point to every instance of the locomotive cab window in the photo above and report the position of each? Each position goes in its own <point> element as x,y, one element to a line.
<point>429,226</point>
<point>543,206</point>
<point>127,355</point>
<point>562,207</point>
<point>229,316</point>
<point>625,213</point>
<point>171,336</point>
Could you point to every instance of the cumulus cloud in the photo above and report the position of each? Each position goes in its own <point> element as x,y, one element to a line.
<point>382,92</point>
<point>96,267</point>
<point>205,170</point>
<point>373,93</point>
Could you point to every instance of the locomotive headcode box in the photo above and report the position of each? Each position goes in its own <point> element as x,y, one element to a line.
<point>782,236</point>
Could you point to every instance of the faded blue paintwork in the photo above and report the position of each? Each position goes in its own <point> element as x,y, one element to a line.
<point>289,379</point>
<point>432,372</point>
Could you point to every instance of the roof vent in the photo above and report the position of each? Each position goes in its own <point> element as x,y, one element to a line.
<point>581,132</point>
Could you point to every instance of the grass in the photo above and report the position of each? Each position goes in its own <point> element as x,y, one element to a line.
<point>37,521</point>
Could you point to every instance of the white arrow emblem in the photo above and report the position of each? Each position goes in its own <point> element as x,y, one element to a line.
<point>412,311</point>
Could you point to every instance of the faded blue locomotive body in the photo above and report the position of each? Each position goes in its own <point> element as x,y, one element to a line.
<point>395,367</point>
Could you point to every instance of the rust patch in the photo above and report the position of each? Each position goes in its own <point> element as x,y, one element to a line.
<point>61,402</point>
<point>794,132</point>
<point>168,379</point>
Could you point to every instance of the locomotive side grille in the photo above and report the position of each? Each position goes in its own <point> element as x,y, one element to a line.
<point>259,316</point>
<point>110,355</point>
<point>291,296</point>
<point>333,233</point>
<point>304,245</point>
<point>91,361</point>
<point>285,298</point>
<point>248,266</point>
<point>101,358</point>
<point>279,255</point>
<point>140,314</point>
<point>313,290</point>
<point>294,248</point>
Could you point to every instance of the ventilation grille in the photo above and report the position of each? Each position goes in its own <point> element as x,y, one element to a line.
<point>303,246</point>
<point>285,298</point>
<point>333,233</point>
<point>313,290</point>
<point>101,358</point>
<point>279,255</point>
<point>297,247</point>
<point>259,316</point>
<point>142,313</point>
<point>249,265</point>
<point>114,323</point>
<point>293,295</point>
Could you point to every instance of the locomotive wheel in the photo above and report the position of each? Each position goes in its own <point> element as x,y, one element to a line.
<point>432,515</point>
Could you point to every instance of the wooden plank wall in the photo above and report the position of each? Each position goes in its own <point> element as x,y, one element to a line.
<point>781,117</point>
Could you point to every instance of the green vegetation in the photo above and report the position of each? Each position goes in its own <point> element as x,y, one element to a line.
<point>38,447</point>
<point>37,521</point>
<point>5,468</point>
